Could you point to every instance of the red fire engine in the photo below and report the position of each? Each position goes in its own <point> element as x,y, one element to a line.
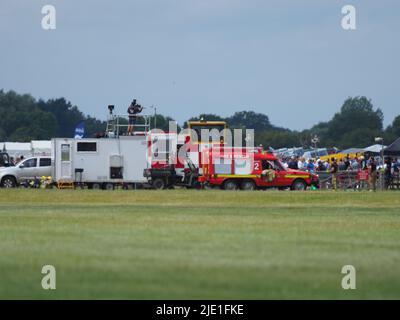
<point>247,169</point>
<point>170,165</point>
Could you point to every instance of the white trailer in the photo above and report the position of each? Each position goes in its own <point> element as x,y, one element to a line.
<point>100,163</point>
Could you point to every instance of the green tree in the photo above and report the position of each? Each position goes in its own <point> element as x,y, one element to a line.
<point>161,122</point>
<point>278,139</point>
<point>392,132</point>
<point>356,124</point>
<point>66,114</point>
<point>396,126</point>
<point>94,126</point>
<point>250,120</point>
<point>22,120</point>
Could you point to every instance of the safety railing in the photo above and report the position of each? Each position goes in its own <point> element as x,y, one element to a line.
<point>350,179</point>
<point>118,125</point>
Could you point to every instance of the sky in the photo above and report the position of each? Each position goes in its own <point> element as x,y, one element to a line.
<point>289,59</point>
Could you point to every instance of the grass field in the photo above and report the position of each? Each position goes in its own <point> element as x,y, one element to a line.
<point>182,244</point>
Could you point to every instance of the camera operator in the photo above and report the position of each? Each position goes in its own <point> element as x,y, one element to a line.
<point>133,110</point>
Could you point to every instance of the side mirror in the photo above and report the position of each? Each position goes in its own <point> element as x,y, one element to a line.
<point>22,166</point>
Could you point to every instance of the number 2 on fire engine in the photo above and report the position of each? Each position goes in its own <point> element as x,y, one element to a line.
<point>256,166</point>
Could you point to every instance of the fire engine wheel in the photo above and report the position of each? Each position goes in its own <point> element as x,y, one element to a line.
<point>8,182</point>
<point>299,185</point>
<point>158,184</point>
<point>196,185</point>
<point>207,186</point>
<point>248,185</point>
<point>230,185</point>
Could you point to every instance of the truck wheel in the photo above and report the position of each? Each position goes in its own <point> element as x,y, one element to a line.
<point>230,185</point>
<point>196,185</point>
<point>248,185</point>
<point>8,182</point>
<point>158,184</point>
<point>96,186</point>
<point>109,186</point>
<point>299,185</point>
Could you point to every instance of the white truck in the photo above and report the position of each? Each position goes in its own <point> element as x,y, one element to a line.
<point>100,163</point>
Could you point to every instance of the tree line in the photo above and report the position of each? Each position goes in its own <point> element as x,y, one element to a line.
<point>356,124</point>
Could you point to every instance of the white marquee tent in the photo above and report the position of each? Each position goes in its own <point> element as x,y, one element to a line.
<point>16,149</point>
<point>27,149</point>
<point>41,147</point>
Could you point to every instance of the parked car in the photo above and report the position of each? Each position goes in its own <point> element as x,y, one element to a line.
<point>27,169</point>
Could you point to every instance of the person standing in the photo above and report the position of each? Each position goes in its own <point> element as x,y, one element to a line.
<point>300,164</point>
<point>133,110</point>
<point>321,166</point>
<point>355,164</point>
<point>395,172</point>
<point>372,174</point>
<point>310,166</point>
<point>363,163</point>
<point>395,166</point>
<point>334,170</point>
<point>293,164</point>
<point>388,173</point>
<point>347,163</point>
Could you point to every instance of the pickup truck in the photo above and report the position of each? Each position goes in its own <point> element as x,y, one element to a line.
<point>27,169</point>
<point>232,169</point>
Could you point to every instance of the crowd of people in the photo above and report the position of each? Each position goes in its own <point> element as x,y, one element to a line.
<point>390,168</point>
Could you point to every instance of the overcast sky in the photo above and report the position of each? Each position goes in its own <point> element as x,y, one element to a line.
<point>288,59</point>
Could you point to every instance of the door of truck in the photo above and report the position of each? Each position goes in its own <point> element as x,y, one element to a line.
<point>28,169</point>
<point>44,166</point>
<point>63,159</point>
<point>279,172</point>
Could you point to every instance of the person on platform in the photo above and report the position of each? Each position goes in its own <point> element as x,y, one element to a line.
<point>133,110</point>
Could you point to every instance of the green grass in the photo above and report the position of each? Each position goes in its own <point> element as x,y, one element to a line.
<point>182,244</point>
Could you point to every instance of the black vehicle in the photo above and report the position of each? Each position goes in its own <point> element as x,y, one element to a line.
<point>166,177</point>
